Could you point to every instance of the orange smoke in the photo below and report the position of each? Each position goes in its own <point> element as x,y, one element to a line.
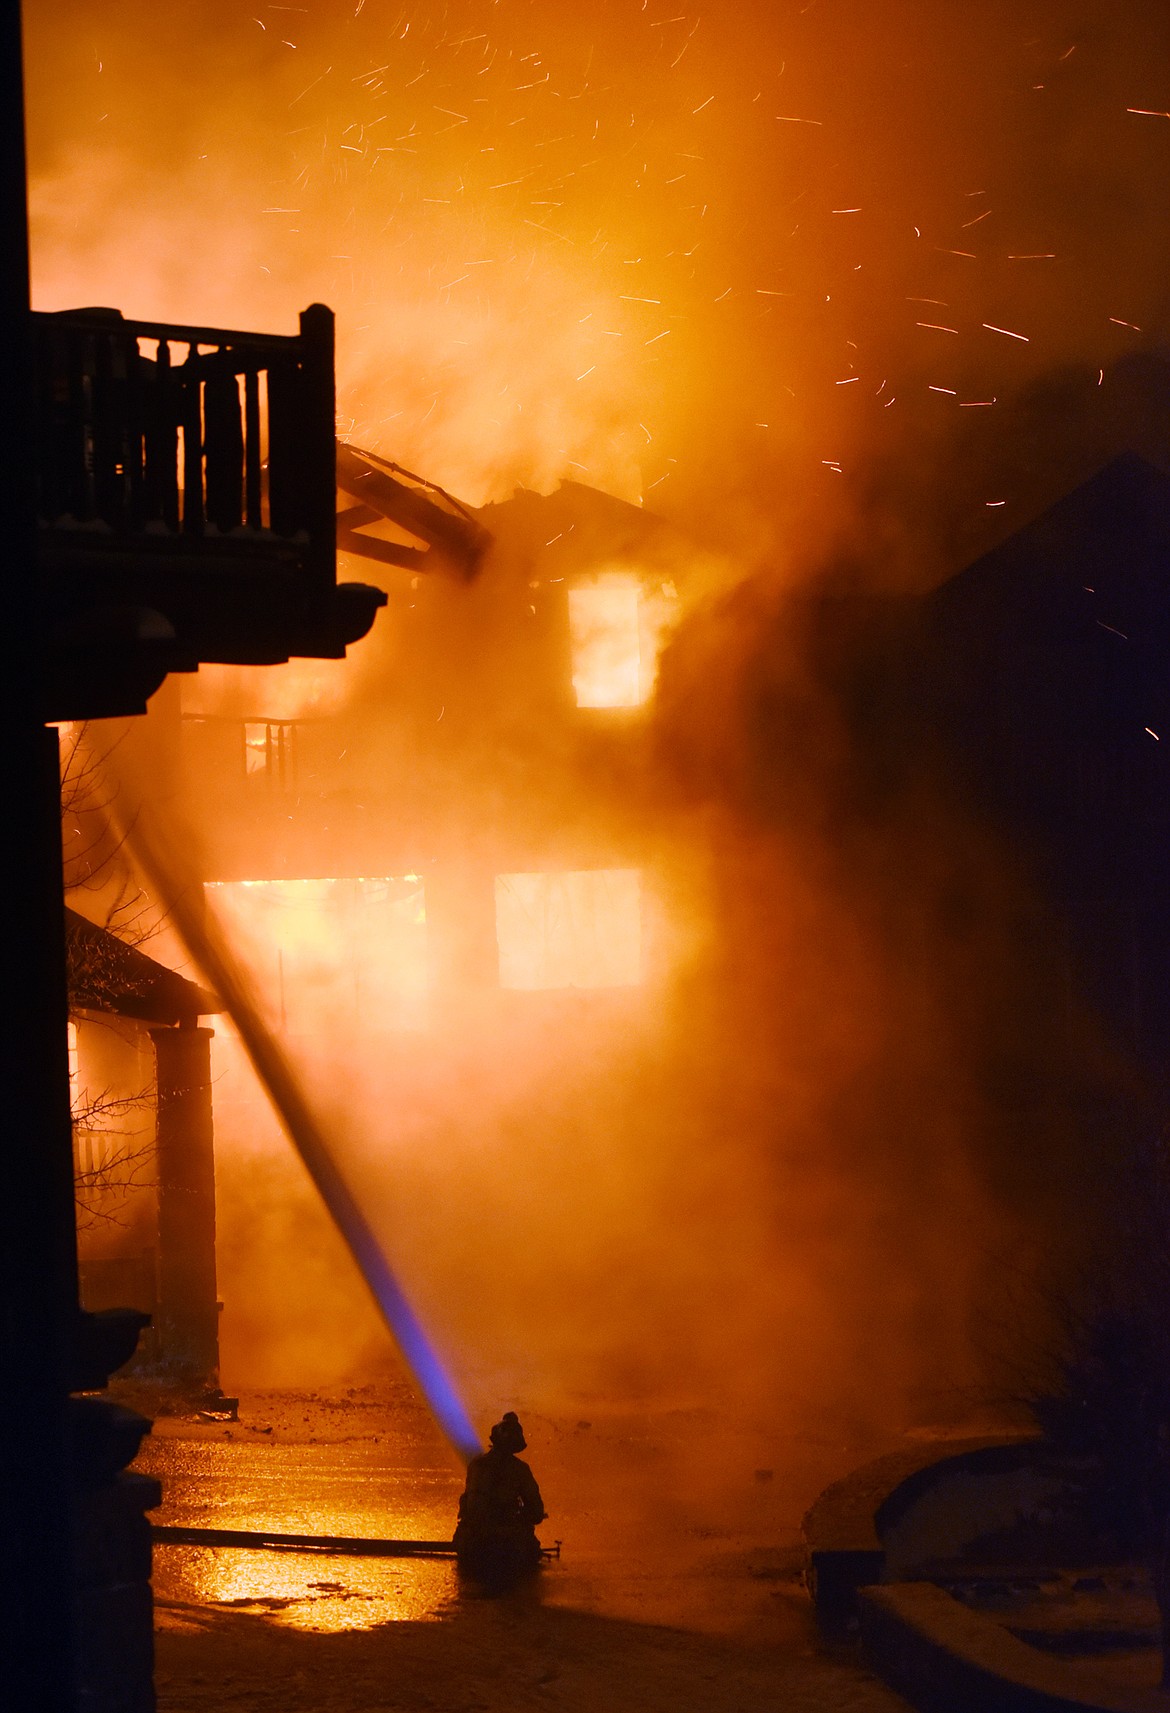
<point>687,255</point>
<point>736,263</point>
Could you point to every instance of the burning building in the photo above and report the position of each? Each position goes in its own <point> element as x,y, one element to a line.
<point>474,722</point>
<point>456,883</point>
<point>453,845</point>
<point>675,256</point>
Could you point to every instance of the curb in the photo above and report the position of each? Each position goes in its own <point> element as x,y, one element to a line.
<point>843,1551</point>
<point>945,1658</point>
<point>938,1653</point>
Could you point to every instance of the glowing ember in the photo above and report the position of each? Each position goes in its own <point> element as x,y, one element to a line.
<point>580,929</point>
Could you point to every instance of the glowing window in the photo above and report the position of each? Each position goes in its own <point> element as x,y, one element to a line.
<point>330,952</point>
<point>605,637</point>
<point>268,750</point>
<point>579,929</point>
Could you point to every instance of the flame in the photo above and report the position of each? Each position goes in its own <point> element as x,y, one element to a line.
<point>296,690</point>
<point>618,623</point>
<point>331,949</point>
<point>607,652</point>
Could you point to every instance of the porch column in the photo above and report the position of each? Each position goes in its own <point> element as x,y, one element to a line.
<point>188,1313</point>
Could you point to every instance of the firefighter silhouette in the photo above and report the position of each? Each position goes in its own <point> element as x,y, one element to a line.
<point>495,1538</point>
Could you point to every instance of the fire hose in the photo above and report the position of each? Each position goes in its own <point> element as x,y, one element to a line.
<point>353,1546</point>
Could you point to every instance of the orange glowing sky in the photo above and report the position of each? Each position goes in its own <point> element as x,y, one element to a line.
<point>647,245</point>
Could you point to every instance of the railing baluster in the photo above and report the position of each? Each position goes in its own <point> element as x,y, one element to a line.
<point>162,451</point>
<point>224,442</point>
<point>316,442</point>
<point>106,480</point>
<point>133,438</point>
<point>254,415</point>
<point>192,420</point>
<point>252,485</point>
<point>77,428</point>
<point>283,497</point>
<point>151,473</point>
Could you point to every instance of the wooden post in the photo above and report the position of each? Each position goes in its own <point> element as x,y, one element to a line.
<point>38,1257</point>
<point>224,447</point>
<point>188,1314</point>
<point>318,441</point>
<point>191,419</point>
<point>38,1263</point>
<point>253,485</point>
<point>285,483</point>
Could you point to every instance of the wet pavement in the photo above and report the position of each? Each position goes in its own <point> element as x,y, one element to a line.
<point>359,1490</point>
<point>678,1585</point>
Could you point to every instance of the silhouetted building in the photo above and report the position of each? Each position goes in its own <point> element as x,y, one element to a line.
<point>467,808</point>
<point>1045,667</point>
<point>167,496</point>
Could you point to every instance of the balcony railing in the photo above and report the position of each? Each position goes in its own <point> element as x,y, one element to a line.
<point>186,504</point>
<point>176,440</point>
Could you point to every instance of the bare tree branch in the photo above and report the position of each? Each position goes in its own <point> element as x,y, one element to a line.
<point>93,851</point>
<point>103,1186</point>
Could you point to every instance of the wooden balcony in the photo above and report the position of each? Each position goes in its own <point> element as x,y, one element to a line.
<point>186,502</point>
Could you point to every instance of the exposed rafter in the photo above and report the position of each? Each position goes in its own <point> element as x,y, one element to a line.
<point>455,540</point>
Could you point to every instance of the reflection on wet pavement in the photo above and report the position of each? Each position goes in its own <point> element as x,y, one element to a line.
<point>349,1489</point>
<point>309,1591</point>
<point>303,1489</point>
